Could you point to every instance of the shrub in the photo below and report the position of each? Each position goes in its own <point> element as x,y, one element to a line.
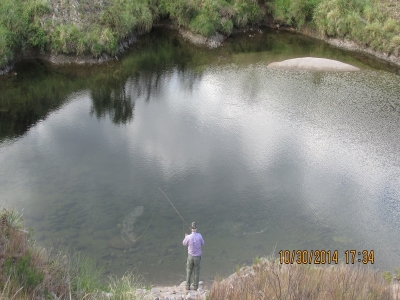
<point>374,35</point>
<point>226,26</point>
<point>296,12</point>
<point>180,11</point>
<point>65,39</point>
<point>13,17</point>
<point>245,12</point>
<point>207,20</point>
<point>37,37</point>
<point>22,20</point>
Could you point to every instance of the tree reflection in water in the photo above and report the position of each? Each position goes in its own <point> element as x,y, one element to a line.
<point>116,97</point>
<point>112,99</point>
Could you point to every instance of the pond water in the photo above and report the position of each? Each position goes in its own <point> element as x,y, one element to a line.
<point>263,160</point>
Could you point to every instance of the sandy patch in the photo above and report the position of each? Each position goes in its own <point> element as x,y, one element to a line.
<point>312,64</point>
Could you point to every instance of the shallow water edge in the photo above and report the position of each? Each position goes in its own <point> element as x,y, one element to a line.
<point>392,62</point>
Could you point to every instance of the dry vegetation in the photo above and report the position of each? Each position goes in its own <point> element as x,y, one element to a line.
<point>29,272</point>
<point>267,279</point>
<point>25,271</point>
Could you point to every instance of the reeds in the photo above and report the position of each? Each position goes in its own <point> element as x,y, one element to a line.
<point>268,279</point>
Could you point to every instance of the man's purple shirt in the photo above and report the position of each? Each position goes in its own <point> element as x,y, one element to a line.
<point>195,242</point>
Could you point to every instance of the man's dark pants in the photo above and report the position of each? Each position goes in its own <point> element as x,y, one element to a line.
<point>193,271</point>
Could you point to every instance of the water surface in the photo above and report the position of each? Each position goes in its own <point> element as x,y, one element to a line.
<point>261,159</point>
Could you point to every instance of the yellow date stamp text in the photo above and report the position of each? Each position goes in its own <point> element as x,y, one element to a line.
<point>319,257</point>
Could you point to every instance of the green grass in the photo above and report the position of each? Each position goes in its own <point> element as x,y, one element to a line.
<point>366,22</point>
<point>210,16</point>
<point>360,21</point>
<point>29,24</point>
<point>294,12</point>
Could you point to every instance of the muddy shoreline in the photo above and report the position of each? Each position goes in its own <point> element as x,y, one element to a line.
<point>201,41</point>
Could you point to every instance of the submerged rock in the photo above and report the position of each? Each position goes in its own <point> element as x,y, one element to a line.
<point>312,64</point>
<point>128,233</point>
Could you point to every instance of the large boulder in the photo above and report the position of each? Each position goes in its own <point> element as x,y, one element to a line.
<point>312,64</point>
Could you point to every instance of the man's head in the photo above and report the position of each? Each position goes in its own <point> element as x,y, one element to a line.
<point>193,227</point>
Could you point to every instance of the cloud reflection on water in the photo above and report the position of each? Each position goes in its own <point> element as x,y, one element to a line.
<point>257,140</point>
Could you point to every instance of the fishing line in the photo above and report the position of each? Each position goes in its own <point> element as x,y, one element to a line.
<point>174,207</point>
<point>183,220</point>
<point>152,214</point>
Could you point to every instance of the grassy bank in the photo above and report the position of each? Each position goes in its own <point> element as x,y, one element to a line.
<point>99,27</point>
<point>30,272</point>
<point>371,23</point>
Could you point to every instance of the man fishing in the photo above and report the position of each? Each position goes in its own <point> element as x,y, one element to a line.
<point>194,241</point>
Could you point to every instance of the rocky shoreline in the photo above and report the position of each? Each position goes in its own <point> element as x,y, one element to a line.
<point>173,293</point>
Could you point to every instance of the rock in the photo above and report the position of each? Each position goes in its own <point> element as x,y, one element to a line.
<point>312,64</point>
<point>128,225</point>
<point>198,39</point>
